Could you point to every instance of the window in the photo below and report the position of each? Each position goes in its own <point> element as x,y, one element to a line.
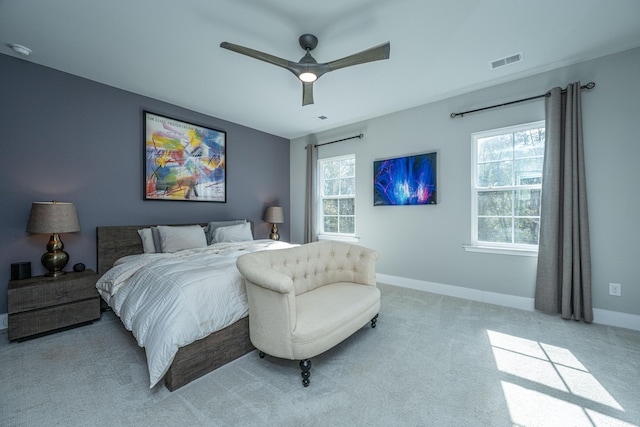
<point>337,193</point>
<point>507,184</point>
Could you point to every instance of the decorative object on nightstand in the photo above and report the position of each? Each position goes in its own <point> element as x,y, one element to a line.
<point>274,215</point>
<point>21,270</point>
<point>45,303</point>
<point>53,218</point>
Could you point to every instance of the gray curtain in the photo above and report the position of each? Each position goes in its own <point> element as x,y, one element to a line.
<point>563,282</point>
<point>310,234</point>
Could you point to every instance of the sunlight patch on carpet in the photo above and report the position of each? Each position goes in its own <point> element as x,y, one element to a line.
<point>548,385</point>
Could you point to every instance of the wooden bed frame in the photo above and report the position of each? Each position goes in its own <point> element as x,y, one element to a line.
<point>198,358</point>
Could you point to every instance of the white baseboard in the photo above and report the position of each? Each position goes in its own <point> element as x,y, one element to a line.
<point>616,318</point>
<point>603,317</point>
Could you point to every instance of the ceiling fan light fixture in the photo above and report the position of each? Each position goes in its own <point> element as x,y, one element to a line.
<point>308,77</point>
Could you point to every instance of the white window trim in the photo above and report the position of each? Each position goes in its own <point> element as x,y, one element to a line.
<point>501,251</point>
<point>339,237</point>
<point>489,247</point>
<point>344,237</point>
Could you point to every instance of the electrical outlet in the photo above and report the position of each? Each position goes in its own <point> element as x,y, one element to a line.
<point>615,289</point>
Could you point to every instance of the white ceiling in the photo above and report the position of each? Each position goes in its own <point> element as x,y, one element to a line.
<point>169,49</point>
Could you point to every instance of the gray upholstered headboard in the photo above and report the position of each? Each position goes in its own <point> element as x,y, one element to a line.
<point>114,242</point>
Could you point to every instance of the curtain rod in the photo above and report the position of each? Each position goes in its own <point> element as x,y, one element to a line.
<point>589,85</point>
<point>339,140</point>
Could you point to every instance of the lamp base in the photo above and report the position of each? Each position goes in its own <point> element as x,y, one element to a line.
<point>55,273</point>
<point>55,259</point>
<point>274,233</point>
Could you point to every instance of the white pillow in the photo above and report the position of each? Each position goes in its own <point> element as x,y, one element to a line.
<point>150,238</point>
<point>173,239</point>
<point>148,246</point>
<point>233,233</point>
<point>147,241</point>
<point>211,227</point>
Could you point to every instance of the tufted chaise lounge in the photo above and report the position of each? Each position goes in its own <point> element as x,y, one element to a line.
<point>306,299</point>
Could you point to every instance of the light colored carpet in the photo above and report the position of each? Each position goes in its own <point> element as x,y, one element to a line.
<point>432,361</point>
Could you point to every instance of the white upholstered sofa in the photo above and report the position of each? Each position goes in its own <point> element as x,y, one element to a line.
<point>306,299</point>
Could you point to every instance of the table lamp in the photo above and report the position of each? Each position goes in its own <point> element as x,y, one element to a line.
<point>274,215</point>
<point>53,218</point>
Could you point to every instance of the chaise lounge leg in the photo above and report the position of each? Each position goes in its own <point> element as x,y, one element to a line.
<point>373,321</point>
<point>305,365</point>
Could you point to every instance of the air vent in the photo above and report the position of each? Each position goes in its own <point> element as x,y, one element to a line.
<point>506,61</point>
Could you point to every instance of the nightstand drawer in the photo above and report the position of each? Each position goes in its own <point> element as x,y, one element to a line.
<point>41,292</point>
<point>47,319</point>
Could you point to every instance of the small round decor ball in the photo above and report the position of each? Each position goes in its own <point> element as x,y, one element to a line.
<point>78,267</point>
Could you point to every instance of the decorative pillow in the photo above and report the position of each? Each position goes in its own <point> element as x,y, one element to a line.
<point>233,233</point>
<point>211,227</point>
<point>173,239</point>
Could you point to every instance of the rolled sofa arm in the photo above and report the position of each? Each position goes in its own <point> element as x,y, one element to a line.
<point>266,278</point>
<point>367,267</point>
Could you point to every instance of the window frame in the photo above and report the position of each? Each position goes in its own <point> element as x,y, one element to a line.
<point>498,247</point>
<point>322,234</point>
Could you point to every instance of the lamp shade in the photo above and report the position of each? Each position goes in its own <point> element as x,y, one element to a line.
<point>53,217</point>
<point>274,215</point>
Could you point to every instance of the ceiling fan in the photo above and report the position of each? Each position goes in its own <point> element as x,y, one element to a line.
<point>308,70</point>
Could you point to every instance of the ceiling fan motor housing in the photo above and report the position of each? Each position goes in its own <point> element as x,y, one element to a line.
<point>308,42</point>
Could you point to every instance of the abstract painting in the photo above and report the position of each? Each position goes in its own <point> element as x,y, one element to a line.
<point>183,161</point>
<point>407,180</point>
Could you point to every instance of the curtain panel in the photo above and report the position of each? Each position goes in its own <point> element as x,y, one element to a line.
<point>563,281</point>
<point>310,233</point>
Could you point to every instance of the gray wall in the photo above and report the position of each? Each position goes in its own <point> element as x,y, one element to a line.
<point>425,242</point>
<point>70,139</point>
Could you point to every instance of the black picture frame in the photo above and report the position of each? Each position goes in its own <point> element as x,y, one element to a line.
<point>183,161</point>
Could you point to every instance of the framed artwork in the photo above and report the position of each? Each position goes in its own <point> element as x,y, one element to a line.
<point>183,161</point>
<point>407,180</point>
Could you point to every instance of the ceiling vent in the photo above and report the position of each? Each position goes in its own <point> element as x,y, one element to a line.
<point>506,61</point>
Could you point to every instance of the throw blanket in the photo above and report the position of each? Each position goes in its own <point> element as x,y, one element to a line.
<point>171,300</point>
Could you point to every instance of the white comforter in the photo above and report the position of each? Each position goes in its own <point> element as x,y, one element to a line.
<point>171,300</point>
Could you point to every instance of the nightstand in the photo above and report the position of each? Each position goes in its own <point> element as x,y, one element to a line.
<point>43,304</point>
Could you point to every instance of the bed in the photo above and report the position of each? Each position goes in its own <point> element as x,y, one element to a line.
<point>203,355</point>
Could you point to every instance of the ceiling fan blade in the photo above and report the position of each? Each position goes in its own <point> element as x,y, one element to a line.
<point>307,93</point>
<point>255,54</point>
<point>374,54</point>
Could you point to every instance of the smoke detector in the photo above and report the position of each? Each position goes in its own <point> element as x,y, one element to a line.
<point>19,49</point>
